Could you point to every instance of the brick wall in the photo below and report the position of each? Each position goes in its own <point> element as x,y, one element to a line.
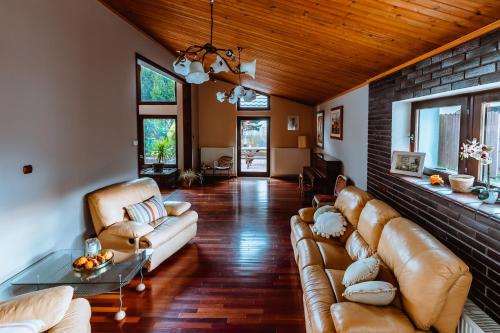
<point>472,235</point>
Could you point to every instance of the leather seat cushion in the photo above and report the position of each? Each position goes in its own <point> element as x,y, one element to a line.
<point>318,297</point>
<point>349,317</point>
<point>308,254</point>
<point>168,229</point>
<point>334,256</point>
<point>335,276</point>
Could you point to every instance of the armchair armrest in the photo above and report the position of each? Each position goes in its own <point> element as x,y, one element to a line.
<point>48,305</point>
<point>307,214</point>
<point>176,208</point>
<point>349,317</point>
<point>129,229</point>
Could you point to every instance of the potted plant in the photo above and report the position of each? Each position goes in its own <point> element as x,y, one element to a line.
<point>481,152</point>
<point>160,152</point>
<point>187,177</point>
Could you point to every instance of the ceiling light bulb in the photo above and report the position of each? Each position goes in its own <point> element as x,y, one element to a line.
<point>181,66</point>
<point>221,96</point>
<point>249,68</point>
<point>219,65</point>
<point>197,73</point>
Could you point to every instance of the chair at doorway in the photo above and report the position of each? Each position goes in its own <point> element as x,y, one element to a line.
<point>224,165</point>
<point>329,199</point>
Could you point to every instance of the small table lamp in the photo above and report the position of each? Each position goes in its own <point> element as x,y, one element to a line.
<point>302,141</point>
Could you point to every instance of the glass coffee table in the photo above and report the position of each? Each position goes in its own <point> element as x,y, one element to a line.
<point>56,269</point>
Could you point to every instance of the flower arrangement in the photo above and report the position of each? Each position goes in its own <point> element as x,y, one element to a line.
<point>481,152</point>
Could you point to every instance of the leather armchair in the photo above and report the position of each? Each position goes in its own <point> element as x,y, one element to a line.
<point>54,307</point>
<point>432,282</point>
<point>115,231</point>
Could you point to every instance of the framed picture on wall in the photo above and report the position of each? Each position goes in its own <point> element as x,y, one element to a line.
<point>337,123</point>
<point>293,123</point>
<point>320,125</point>
<point>408,163</point>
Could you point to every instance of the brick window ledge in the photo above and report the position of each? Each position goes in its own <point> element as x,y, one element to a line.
<point>467,200</point>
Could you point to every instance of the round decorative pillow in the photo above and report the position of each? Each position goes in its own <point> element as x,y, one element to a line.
<point>361,271</point>
<point>324,209</point>
<point>371,292</point>
<point>330,224</point>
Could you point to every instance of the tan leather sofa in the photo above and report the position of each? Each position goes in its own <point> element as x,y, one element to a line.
<point>432,282</point>
<point>115,231</point>
<point>54,307</point>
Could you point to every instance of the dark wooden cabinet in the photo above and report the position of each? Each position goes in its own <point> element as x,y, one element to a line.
<point>165,179</point>
<point>322,173</point>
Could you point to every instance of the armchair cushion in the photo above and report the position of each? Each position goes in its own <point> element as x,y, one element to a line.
<point>25,326</point>
<point>48,305</point>
<point>360,318</point>
<point>176,208</point>
<point>129,229</point>
<point>76,319</point>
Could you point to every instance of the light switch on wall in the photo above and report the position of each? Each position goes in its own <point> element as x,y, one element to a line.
<point>27,169</point>
<point>135,143</point>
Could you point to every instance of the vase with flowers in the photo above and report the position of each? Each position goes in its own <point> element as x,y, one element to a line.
<point>481,152</point>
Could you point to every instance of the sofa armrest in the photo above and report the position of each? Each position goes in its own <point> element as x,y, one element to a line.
<point>307,214</point>
<point>76,319</point>
<point>349,317</point>
<point>176,208</point>
<point>47,305</point>
<point>129,229</point>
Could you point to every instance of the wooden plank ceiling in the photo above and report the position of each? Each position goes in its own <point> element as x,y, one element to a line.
<point>311,50</point>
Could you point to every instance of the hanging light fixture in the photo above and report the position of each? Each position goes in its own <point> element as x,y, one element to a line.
<point>191,64</point>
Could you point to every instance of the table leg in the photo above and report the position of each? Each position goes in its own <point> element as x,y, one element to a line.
<point>120,315</point>
<point>141,286</point>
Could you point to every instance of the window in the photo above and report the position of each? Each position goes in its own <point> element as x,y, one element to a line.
<point>159,136</point>
<point>155,85</point>
<point>261,102</point>
<point>488,116</point>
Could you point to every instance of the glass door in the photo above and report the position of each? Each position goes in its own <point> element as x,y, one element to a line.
<point>253,146</point>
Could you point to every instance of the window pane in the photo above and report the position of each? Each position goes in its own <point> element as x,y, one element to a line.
<point>159,135</point>
<point>260,102</point>
<point>439,137</point>
<point>156,87</point>
<point>491,137</point>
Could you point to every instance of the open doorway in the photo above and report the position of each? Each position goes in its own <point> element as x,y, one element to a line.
<point>253,146</point>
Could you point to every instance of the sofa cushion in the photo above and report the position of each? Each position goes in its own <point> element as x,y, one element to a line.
<point>146,211</point>
<point>25,326</point>
<point>47,305</point>
<point>300,229</point>
<point>129,229</point>
<point>308,254</point>
<point>169,228</point>
<point>357,248</point>
<point>372,220</point>
<point>349,317</point>
<point>176,208</point>
<point>351,201</point>
<point>76,319</point>
<point>318,297</point>
<point>425,269</point>
<point>335,276</point>
<point>371,292</point>
<point>307,214</point>
<point>361,271</point>
<point>334,256</point>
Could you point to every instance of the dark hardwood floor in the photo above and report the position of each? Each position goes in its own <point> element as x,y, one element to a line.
<point>237,275</point>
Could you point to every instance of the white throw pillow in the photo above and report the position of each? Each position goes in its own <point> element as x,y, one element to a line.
<point>361,271</point>
<point>323,209</point>
<point>330,224</point>
<point>26,326</point>
<point>371,292</point>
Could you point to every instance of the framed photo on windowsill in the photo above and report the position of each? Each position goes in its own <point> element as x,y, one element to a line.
<point>408,163</point>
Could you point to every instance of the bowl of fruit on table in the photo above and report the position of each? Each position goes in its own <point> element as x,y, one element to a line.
<point>93,263</point>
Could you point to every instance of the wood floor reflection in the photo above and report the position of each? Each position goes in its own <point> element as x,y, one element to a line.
<point>237,275</point>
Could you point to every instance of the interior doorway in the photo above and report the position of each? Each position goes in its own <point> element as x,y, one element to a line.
<point>253,146</point>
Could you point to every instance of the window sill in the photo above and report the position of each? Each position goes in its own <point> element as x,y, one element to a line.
<point>467,200</point>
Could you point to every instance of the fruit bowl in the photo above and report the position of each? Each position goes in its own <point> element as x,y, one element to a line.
<point>92,263</point>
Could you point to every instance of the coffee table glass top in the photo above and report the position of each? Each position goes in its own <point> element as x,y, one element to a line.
<point>57,269</point>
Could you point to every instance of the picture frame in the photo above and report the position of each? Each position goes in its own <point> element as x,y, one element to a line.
<point>320,128</point>
<point>293,123</point>
<point>337,123</point>
<point>408,163</point>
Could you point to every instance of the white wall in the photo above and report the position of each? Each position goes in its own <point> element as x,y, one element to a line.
<point>67,93</point>
<point>353,149</point>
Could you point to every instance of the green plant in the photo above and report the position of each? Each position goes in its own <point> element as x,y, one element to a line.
<point>163,150</point>
<point>189,176</point>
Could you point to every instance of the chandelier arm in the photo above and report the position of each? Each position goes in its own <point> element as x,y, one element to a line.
<point>211,20</point>
<point>236,72</point>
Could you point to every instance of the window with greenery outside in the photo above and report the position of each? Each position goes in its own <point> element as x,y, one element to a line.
<point>156,87</point>
<point>160,141</point>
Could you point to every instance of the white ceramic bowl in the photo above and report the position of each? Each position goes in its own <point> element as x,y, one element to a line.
<point>461,183</point>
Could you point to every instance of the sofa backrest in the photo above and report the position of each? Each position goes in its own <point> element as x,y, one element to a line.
<point>350,202</point>
<point>433,282</point>
<point>372,220</point>
<point>107,205</point>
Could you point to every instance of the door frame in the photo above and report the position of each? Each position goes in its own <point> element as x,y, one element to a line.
<point>238,147</point>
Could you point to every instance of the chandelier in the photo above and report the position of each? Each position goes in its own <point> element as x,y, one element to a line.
<point>191,64</point>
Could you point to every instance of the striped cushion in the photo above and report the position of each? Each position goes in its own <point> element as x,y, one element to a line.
<point>27,326</point>
<point>147,211</point>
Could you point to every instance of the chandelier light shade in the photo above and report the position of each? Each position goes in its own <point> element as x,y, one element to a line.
<point>192,62</point>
